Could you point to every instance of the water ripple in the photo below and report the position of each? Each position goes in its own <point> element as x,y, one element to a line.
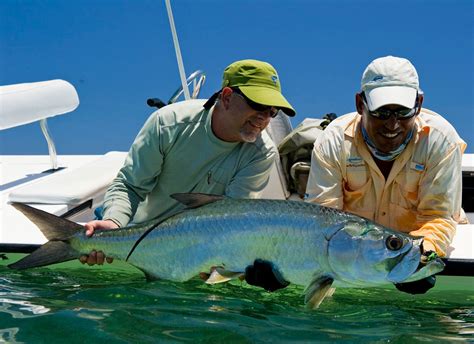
<point>119,306</point>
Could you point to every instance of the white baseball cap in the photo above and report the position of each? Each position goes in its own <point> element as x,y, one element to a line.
<point>390,80</point>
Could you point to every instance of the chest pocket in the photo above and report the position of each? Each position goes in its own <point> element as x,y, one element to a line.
<point>358,190</point>
<point>407,186</point>
<point>356,174</point>
<point>219,175</point>
<point>214,181</point>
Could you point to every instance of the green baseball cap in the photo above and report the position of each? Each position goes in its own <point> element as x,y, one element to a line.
<point>259,82</point>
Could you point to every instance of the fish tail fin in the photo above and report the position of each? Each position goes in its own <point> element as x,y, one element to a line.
<point>57,230</point>
<point>53,227</point>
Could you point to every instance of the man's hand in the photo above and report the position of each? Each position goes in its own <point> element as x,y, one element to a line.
<point>423,285</point>
<point>427,257</point>
<point>97,257</point>
<point>99,224</point>
<point>263,274</point>
<point>417,287</point>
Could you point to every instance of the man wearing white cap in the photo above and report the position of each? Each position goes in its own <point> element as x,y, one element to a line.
<point>392,161</point>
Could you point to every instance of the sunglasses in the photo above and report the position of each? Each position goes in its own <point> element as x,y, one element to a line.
<point>273,111</point>
<point>385,114</point>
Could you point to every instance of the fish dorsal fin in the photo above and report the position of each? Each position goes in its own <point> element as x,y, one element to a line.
<point>318,289</point>
<point>53,227</point>
<point>195,200</point>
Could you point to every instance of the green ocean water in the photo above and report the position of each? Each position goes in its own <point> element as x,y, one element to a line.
<point>115,304</point>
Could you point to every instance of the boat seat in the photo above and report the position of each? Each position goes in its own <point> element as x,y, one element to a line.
<point>74,186</point>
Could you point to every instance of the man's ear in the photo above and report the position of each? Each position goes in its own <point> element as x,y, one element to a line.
<point>359,103</point>
<point>419,102</point>
<point>225,95</point>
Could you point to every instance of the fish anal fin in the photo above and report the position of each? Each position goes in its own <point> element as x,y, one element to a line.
<point>220,275</point>
<point>319,288</point>
<point>195,200</point>
<point>50,253</point>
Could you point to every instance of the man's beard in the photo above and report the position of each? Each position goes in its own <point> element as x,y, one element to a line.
<point>248,136</point>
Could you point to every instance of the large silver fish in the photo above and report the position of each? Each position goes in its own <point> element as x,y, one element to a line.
<point>309,245</point>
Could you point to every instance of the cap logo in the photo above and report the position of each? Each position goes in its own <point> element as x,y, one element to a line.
<point>274,79</point>
<point>377,78</point>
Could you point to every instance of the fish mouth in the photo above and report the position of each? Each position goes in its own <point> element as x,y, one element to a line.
<point>410,268</point>
<point>425,270</point>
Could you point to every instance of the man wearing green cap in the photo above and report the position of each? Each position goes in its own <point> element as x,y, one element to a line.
<point>216,146</point>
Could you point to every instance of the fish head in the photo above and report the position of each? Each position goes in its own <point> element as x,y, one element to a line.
<point>363,253</point>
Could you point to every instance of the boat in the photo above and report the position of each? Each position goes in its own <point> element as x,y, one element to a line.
<point>73,186</point>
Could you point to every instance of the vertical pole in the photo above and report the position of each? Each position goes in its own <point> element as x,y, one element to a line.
<point>179,58</point>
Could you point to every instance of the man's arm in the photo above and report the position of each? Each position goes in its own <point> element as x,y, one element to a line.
<point>440,200</point>
<point>325,181</point>
<point>134,181</point>
<point>137,177</point>
<point>439,206</point>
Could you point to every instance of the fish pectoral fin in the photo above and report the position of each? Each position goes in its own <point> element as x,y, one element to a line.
<point>220,275</point>
<point>318,289</point>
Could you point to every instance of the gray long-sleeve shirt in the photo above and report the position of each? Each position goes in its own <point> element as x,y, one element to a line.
<point>176,151</point>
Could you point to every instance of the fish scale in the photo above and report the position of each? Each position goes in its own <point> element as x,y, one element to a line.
<point>305,244</point>
<point>207,236</point>
<point>231,233</point>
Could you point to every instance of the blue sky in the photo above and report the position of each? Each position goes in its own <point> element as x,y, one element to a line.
<point>119,53</point>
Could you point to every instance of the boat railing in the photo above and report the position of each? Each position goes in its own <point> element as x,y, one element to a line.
<point>196,79</point>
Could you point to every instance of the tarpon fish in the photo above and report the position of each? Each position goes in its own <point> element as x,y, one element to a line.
<point>309,245</point>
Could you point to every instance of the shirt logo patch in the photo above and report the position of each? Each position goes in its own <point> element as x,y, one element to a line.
<point>355,161</point>
<point>417,167</point>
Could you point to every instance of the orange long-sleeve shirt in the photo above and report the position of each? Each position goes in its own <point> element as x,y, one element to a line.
<point>422,194</point>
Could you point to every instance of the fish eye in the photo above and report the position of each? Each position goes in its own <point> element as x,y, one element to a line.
<point>394,243</point>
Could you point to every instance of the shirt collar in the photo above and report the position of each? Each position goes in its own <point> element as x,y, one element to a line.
<point>352,126</point>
